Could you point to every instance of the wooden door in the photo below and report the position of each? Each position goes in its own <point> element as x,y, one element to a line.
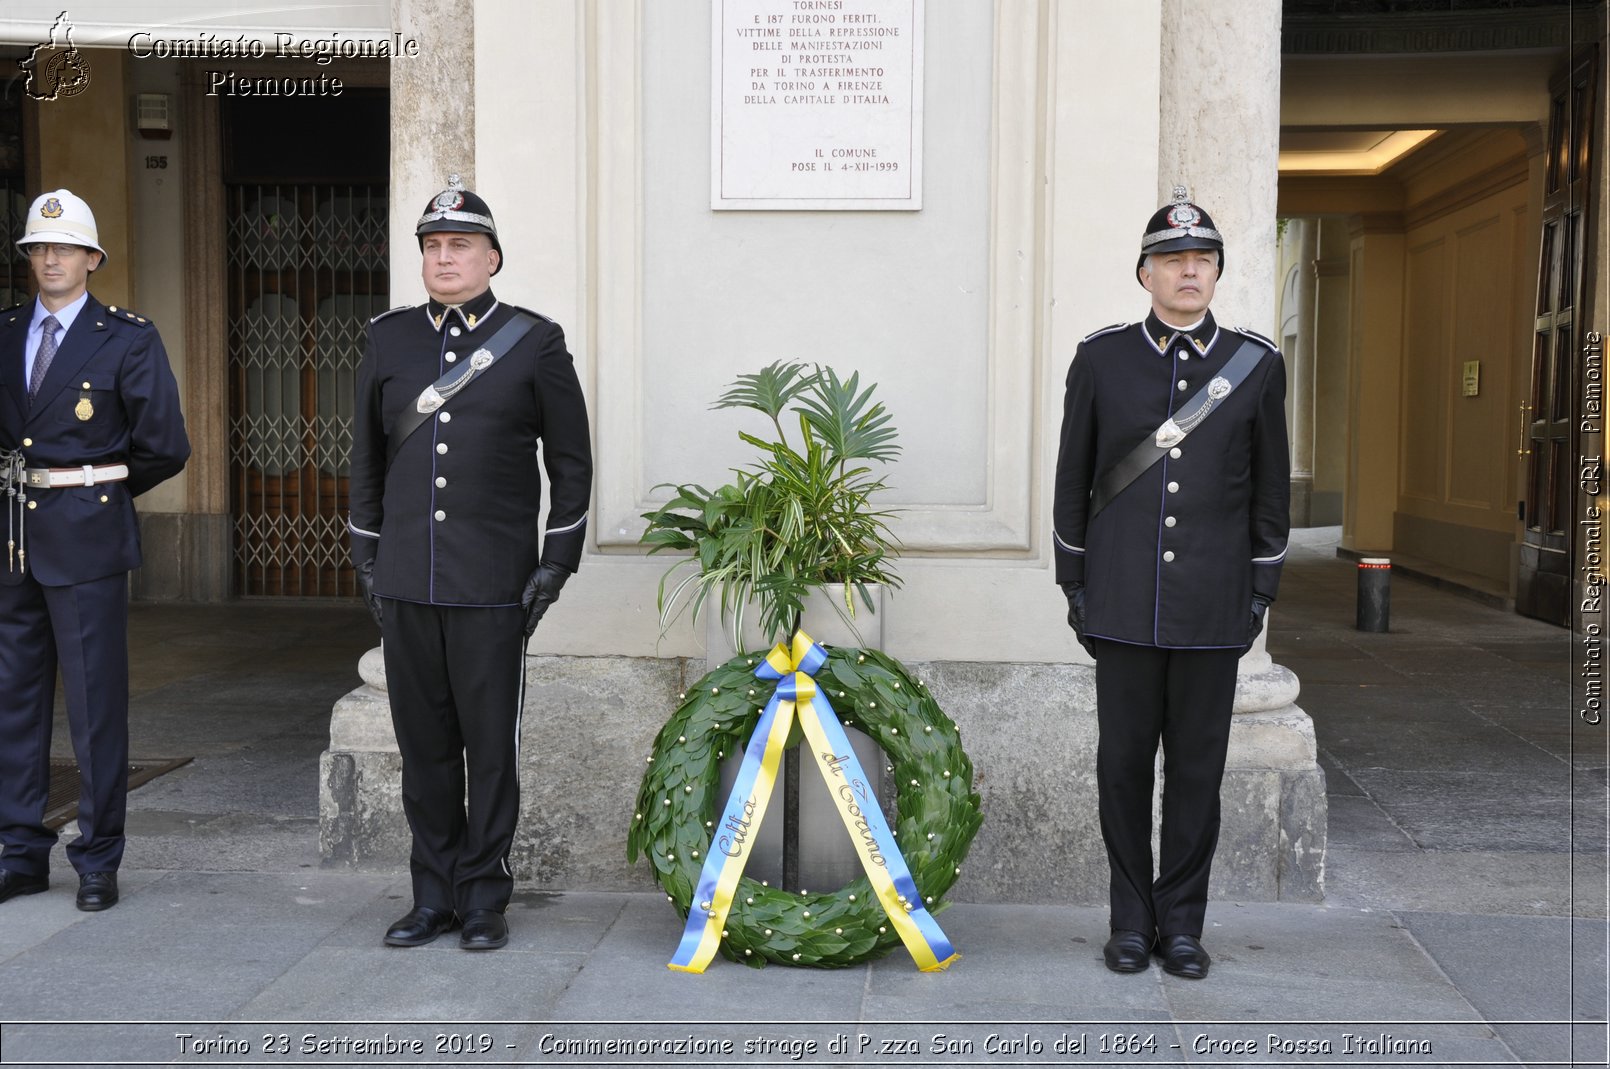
<point>1548,452</point>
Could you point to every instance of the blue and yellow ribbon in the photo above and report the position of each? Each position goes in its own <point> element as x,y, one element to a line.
<point>857,802</point>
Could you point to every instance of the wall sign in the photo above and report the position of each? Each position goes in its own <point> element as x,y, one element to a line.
<point>816,105</point>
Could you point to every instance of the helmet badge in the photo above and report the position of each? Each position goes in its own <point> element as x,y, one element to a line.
<point>51,209</point>
<point>1183,216</point>
<point>452,198</point>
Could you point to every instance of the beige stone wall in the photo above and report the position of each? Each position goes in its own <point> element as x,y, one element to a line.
<point>84,147</point>
<point>1468,277</point>
<point>157,208</point>
<point>1051,233</point>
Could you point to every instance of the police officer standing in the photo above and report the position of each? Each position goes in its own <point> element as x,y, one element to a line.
<point>452,399</point>
<point>89,420</point>
<point>1171,516</point>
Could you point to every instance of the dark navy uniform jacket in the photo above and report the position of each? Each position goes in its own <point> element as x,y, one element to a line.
<point>114,359</point>
<point>456,518</point>
<point>1175,558</point>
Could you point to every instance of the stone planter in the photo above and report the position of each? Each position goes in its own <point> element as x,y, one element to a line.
<point>827,857</point>
<point>825,620</point>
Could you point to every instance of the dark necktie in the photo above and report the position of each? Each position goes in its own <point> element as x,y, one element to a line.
<point>46,353</point>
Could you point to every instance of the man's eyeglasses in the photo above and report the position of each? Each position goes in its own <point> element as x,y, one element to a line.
<point>40,249</point>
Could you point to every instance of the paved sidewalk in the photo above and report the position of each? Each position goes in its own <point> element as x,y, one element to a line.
<point>1465,910</point>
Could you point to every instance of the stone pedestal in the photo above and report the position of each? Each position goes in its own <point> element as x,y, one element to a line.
<point>1030,730</point>
<point>360,777</point>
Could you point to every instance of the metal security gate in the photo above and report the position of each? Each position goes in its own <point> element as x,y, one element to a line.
<point>307,269</point>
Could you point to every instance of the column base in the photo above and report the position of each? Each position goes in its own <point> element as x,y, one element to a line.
<point>1029,729</point>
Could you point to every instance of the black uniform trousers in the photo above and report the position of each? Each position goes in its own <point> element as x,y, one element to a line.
<point>83,627</point>
<point>1183,698</point>
<point>453,674</point>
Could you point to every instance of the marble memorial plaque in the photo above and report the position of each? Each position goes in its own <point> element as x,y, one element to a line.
<point>816,104</point>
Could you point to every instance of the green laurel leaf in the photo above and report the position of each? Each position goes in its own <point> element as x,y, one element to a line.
<point>848,926</point>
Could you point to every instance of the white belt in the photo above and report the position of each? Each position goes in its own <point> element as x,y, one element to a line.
<point>88,475</point>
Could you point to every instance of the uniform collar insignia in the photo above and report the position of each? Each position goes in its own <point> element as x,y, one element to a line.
<point>472,313</point>
<point>1161,335</point>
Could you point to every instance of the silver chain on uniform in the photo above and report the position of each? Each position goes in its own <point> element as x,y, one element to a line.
<point>12,465</point>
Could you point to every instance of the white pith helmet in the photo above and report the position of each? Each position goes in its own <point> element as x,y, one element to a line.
<point>61,218</point>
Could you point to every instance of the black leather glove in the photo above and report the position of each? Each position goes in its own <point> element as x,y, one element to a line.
<point>1260,605</point>
<point>1076,614</point>
<point>541,591</point>
<point>366,587</point>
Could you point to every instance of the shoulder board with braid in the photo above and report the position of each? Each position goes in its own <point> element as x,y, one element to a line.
<point>1255,336</point>
<point>529,312</point>
<point>1103,330</point>
<point>394,311</point>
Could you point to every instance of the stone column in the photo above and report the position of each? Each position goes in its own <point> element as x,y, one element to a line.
<point>1330,378</point>
<point>432,121</point>
<point>1300,368</point>
<point>1219,105</point>
<point>1219,135</point>
<point>1375,360</point>
<point>432,136</point>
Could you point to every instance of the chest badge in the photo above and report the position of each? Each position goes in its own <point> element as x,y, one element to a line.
<point>84,410</point>
<point>1169,434</point>
<point>481,359</point>
<point>1219,388</point>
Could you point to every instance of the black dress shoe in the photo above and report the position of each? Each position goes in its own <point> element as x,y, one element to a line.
<point>97,891</point>
<point>421,925</point>
<point>13,884</point>
<point>1127,951</point>
<point>1183,956</point>
<point>484,929</point>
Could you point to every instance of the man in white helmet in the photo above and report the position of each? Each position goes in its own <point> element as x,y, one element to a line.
<point>89,419</point>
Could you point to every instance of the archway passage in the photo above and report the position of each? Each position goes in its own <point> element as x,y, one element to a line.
<point>1441,167</point>
<point>306,207</point>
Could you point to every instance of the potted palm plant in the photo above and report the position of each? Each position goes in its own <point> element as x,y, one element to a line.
<point>798,520</point>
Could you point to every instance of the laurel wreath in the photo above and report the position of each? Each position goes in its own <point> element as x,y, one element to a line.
<point>936,812</point>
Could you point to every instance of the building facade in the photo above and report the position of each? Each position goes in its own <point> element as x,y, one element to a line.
<point>1412,193</point>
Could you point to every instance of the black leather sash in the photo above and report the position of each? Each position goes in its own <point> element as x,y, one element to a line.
<point>438,393</point>
<point>1190,416</point>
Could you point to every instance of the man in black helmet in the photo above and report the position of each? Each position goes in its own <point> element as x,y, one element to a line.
<point>452,398</point>
<point>1171,516</point>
